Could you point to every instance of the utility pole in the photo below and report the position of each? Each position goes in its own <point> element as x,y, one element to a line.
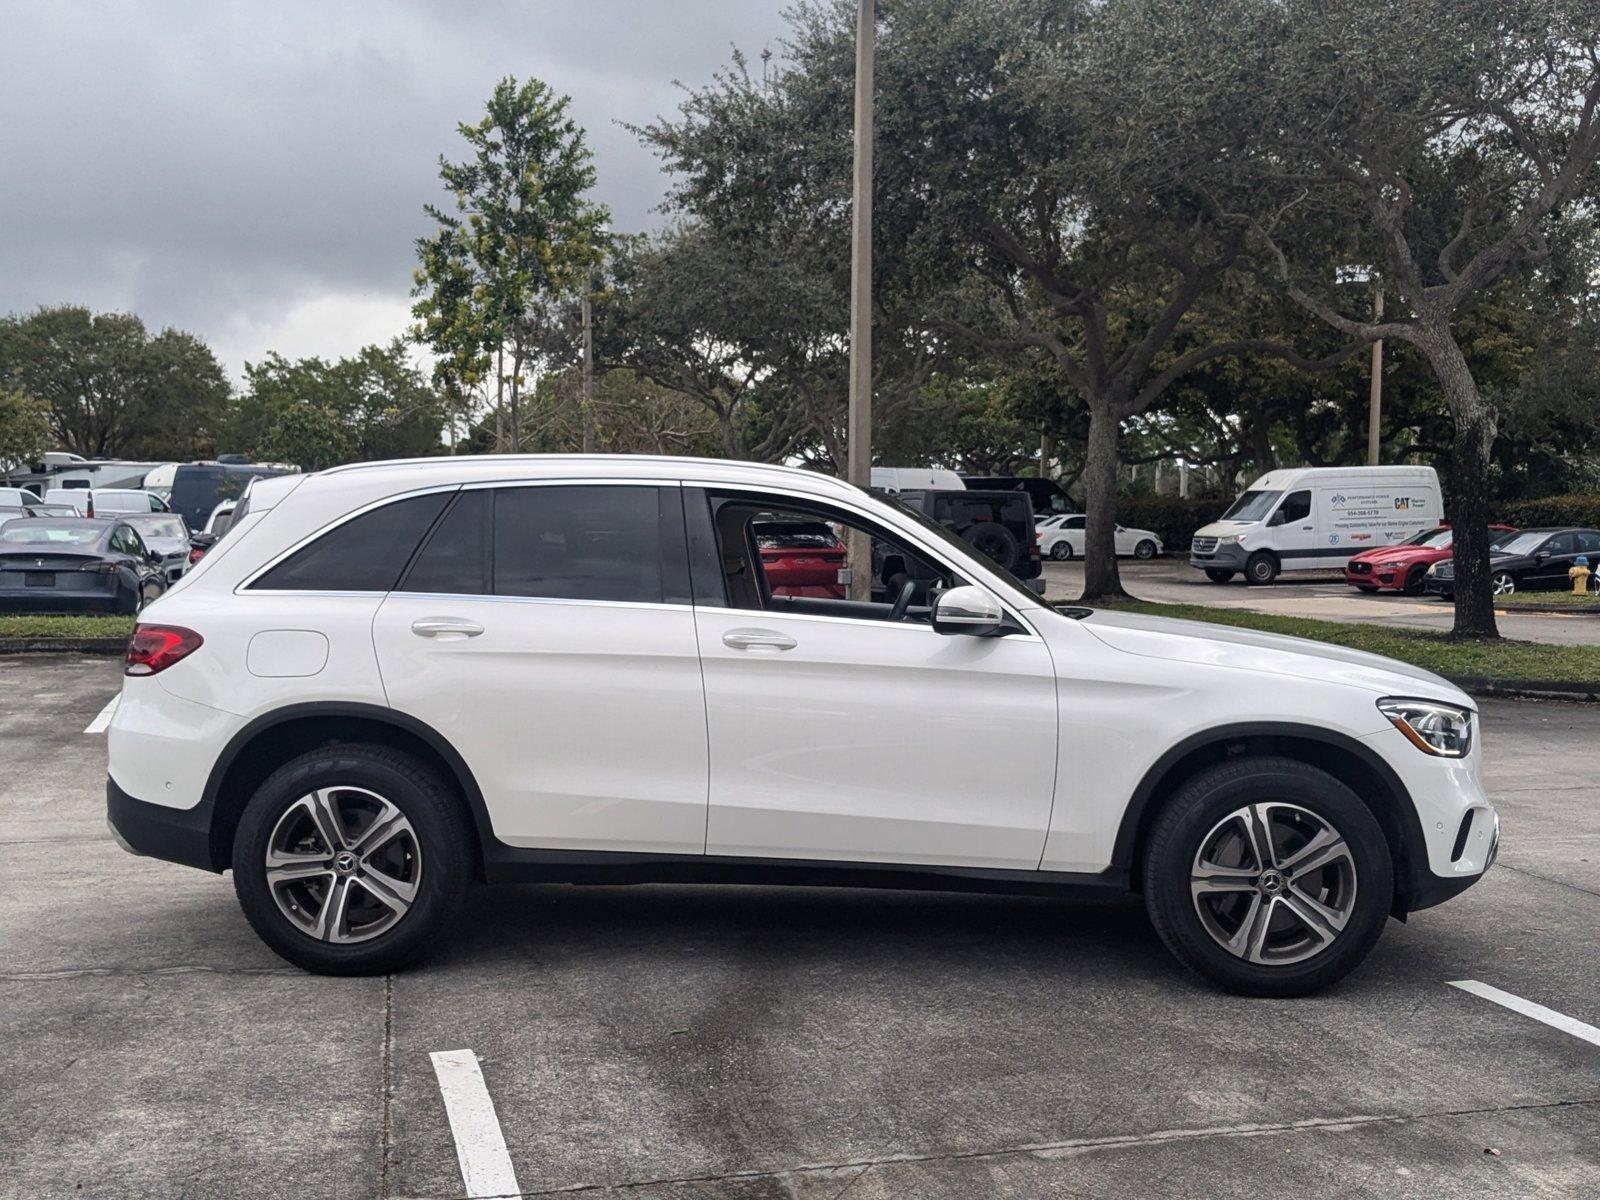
<point>860,419</point>
<point>586,400</point>
<point>1375,400</point>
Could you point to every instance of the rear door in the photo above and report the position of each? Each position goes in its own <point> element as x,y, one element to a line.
<point>545,630</point>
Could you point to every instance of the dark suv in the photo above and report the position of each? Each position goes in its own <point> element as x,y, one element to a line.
<point>997,524</point>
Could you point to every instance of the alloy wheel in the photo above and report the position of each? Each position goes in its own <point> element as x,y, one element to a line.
<point>343,864</point>
<point>1273,883</point>
<point>1504,584</point>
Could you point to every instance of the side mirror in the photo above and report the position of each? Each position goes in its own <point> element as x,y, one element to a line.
<point>968,609</point>
<point>153,558</point>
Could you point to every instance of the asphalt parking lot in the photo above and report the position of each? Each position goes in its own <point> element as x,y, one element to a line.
<point>670,1042</point>
<point>1322,595</point>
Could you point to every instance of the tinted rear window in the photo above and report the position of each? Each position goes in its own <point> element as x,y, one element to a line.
<point>455,561</point>
<point>365,554</point>
<point>579,542</point>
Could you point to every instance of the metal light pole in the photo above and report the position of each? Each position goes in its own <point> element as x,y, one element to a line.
<point>586,396</point>
<point>1375,398</point>
<point>859,470</point>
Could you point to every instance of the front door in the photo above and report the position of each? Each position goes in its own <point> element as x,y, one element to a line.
<point>845,729</point>
<point>545,631</point>
<point>1295,532</point>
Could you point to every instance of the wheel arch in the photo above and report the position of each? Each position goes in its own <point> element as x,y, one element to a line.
<point>282,734</point>
<point>1357,766</point>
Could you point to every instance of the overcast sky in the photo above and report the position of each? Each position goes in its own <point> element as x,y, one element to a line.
<point>255,172</point>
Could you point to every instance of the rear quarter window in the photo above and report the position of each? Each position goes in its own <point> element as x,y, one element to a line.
<point>367,553</point>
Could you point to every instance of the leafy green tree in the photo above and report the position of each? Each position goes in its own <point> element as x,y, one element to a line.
<point>112,389</point>
<point>1073,159</point>
<point>375,404</point>
<point>521,238</point>
<point>24,430</point>
<point>1448,136</point>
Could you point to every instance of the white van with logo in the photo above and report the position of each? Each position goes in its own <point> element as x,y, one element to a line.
<point>1315,518</point>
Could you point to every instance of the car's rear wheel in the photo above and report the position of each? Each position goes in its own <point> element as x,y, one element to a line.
<point>1268,877</point>
<point>1218,576</point>
<point>1061,551</point>
<point>350,860</point>
<point>1145,549</point>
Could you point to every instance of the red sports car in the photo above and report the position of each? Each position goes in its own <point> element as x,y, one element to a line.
<point>801,558</point>
<point>1402,566</point>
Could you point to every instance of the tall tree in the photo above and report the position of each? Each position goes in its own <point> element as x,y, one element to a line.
<point>1073,156</point>
<point>24,430</point>
<point>112,389</point>
<point>521,237</point>
<point>1448,136</point>
<point>375,404</point>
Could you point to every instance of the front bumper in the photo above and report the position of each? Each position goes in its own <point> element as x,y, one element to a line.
<point>1223,558</point>
<point>179,835</point>
<point>1435,586</point>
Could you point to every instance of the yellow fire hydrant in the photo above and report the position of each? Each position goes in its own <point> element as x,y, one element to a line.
<point>1579,574</point>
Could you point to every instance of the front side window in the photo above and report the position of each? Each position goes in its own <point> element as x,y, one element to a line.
<point>797,560</point>
<point>364,554</point>
<point>1562,543</point>
<point>1296,507</point>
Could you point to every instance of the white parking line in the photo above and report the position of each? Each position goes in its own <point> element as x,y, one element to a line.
<point>480,1146</point>
<point>103,718</point>
<point>1528,1008</point>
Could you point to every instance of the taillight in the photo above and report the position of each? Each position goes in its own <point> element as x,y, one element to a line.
<point>154,648</point>
<point>196,553</point>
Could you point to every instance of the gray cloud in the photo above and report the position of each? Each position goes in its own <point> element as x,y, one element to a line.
<point>255,172</point>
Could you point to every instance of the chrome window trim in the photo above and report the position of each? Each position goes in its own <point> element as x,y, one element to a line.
<point>867,622</point>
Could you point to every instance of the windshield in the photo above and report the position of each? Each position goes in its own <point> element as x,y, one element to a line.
<point>1019,590</point>
<point>21,532</point>
<point>1252,506</point>
<point>1522,543</point>
<point>160,527</point>
<point>1438,539</point>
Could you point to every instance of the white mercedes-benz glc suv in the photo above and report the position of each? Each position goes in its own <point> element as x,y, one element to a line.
<point>392,679</point>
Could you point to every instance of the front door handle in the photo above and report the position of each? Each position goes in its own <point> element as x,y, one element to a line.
<point>757,639</point>
<point>445,627</point>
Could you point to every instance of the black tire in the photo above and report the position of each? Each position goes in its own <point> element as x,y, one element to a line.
<point>1262,569</point>
<point>1192,816</point>
<point>1145,549</point>
<point>1218,576</point>
<point>443,858</point>
<point>995,542</point>
<point>1061,551</point>
<point>1416,579</point>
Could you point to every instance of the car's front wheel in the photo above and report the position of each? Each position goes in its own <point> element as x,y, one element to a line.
<point>350,860</point>
<point>1218,576</point>
<point>1268,876</point>
<point>1504,583</point>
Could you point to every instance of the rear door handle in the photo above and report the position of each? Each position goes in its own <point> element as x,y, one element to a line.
<point>445,627</point>
<point>757,639</point>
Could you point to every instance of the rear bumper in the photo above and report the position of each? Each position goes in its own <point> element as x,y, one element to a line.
<point>50,600</point>
<point>179,835</point>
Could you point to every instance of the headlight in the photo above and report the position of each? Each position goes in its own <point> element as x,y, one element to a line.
<point>1231,540</point>
<point>1434,728</point>
<point>1394,566</point>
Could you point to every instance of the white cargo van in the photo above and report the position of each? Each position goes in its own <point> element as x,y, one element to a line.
<point>1311,518</point>
<point>908,479</point>
<point>106,502</point>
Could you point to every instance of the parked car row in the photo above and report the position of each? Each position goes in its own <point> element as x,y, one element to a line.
<point>1531,560</point>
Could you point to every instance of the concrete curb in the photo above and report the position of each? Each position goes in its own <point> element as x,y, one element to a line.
<point>1550,609</point>
<point>58,645</point>
<point>1527,689</point>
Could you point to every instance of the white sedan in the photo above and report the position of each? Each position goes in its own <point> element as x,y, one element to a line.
<point>1061,538</point>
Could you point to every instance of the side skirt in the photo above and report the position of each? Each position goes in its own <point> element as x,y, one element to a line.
<point>511,864</point>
